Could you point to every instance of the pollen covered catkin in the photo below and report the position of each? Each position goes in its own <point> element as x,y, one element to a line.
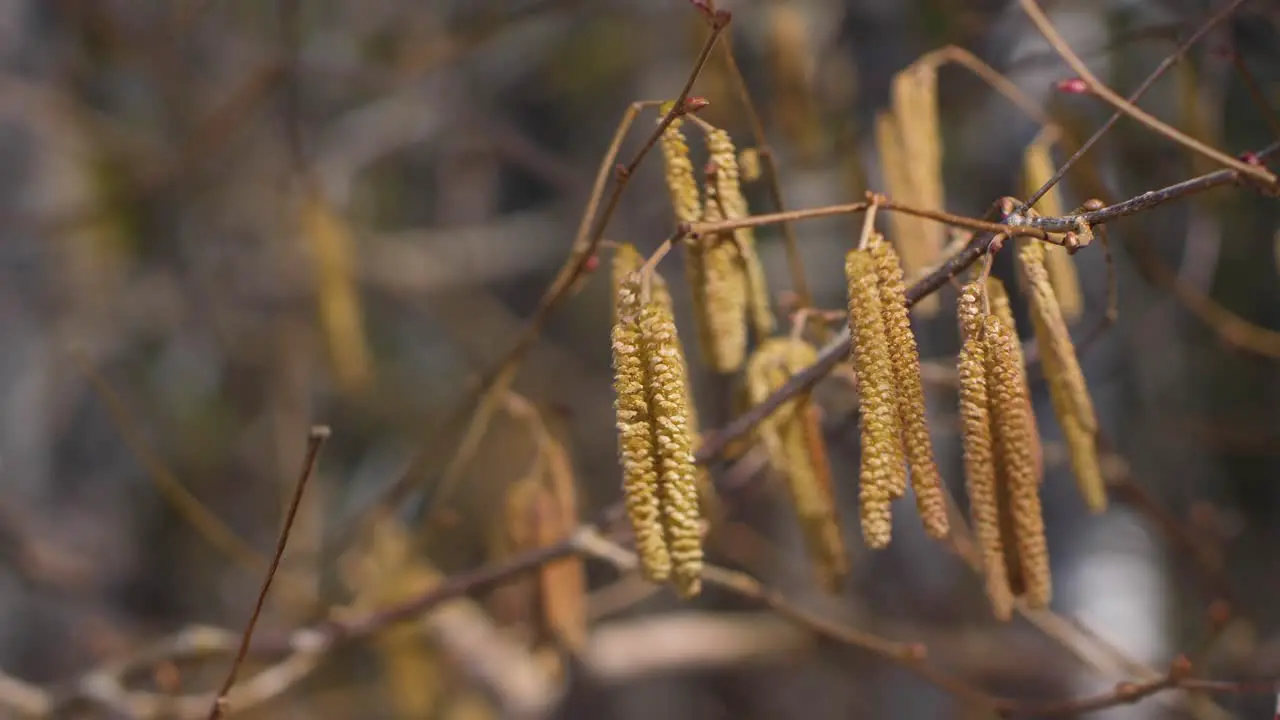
<point>883,466</point>
<point>682,184</point>
<point>1067,389</point>
<point>627,259</point>
<point>793,440</point>
<point>1006,387</point>
<point>636,437</point>
<point>673,443</point>
<point>1037,169</point>
<point>979,455</point>
<point>998,299</point>
<point>728,184</point>
<point>905,358</point>
<point>718,282</point>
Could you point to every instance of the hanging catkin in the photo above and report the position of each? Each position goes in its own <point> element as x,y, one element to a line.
<point>1067,389</point>
<point>979,457</point>
<point>719,287</point>
<point>635,435</point>
<point>728,183</point>
<point>793,440</point>
<point>883,468</point>
<point>673,442</point>
<point>626,260</point>
<point>712,266</point>
<point>905,359</point>
<point>998,299</point>
<point>1037,169</point>
<point>1006,391</point>
<point>682,184</point>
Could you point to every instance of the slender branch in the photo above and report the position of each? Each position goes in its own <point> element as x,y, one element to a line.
<point>315,440</point>
<point>1256,93</point>
<point>795,265</point>
<point>187,505</point>
<point>1097,87</point>
<point>493,385</point>
<point>1137,94</point>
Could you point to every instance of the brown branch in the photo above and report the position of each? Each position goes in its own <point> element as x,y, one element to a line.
<point>1098,88</point>
<point>1136,95</point>
<point>315,439</point>
<point>587,240</point>
<point>795,265</point>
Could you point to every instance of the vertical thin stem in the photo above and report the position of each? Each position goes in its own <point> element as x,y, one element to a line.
<point>315,439</point>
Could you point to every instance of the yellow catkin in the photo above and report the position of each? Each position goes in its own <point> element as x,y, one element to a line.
<point>1009,534</point>
<point>979,457</point>
<point>734,204</point>
<point>562,583</point>
<point>1037,168</point>
<point>915,105</point>
<point>1067,389</point>
<point>682,184</point>
<point>334,252</point>
<point>998,298</point>
<point>636,438</point>
<point>905,356</point>
<point>713,267</point>
<point>1009,415</point>
<point>626,260</point>
<point>793,440</point>
<point>749,161</point>
<point>716,274</point>
<point>673,444</point>
<point>883,466</point>
<point>908,137</point>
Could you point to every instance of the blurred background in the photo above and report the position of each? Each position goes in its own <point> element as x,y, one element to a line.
<point>224,221</point>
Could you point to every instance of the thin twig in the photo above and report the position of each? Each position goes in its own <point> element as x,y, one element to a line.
<point>207,524</point>
<point>1136,95</point>
<point>795,264</point>
<point>494,384</point>
<point>315,440</point>
<point>1098,88</point>
<point>1259,97</point>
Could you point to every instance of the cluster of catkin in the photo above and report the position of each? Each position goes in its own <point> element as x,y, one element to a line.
<point>724,271</point>
<point>656,438</point>
<point>894,428</point>
<point>1001,455</point>
<point>792,437</point>
<point>908,140</point>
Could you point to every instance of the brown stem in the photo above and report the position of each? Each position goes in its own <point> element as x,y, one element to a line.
<point>315,440</point>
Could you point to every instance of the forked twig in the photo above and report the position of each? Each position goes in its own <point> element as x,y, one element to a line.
<point>1100,89</point>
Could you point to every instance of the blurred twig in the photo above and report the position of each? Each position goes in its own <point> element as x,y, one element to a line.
<point>314,441</point>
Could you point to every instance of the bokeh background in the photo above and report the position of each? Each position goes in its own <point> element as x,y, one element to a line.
<point>223,221</point>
